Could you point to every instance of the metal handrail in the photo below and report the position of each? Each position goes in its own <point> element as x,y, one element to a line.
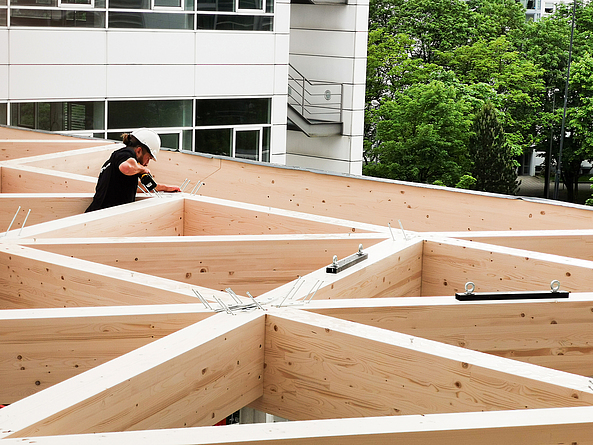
<point>316,101</point>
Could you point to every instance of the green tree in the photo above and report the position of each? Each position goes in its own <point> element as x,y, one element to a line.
<point>422,135</point>
<point>493,165</point>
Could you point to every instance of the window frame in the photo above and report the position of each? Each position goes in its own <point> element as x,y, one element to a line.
<point>90,5</point>
<point>246,128</point>
<point>252,11</point>
<point>167,8</point>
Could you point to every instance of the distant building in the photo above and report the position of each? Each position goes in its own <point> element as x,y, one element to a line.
<point>254,79</point>
<point>537,9</point>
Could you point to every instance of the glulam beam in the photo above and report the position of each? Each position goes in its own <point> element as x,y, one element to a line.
<point>36,279</point>
<point>557,334</point>
<point>25,179</point>
<point>319,367</point>
<point>42,347</point>
<point>193,377</point>
<point>254,264</point>
<point>448,264</point>
<point>528,427</point>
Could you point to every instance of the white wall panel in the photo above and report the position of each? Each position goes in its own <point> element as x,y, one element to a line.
<point>353,97</point>
<point>279,110</point>
<point>278,144</point>
<point>281,79</point>
<point>57,82</point>
<point>330,147</point>
<point>234,48</point>
<point>282,48</point>
<point>330,17</point>
<point>332,69</point>
<point>353,122</point>
<point>282,18</point>
<point>57,46</point>
<point>361,44</point>
<point>322,43</point>
<point>4,85</point>
<point>3,46</point>
<point>328,165</point>
<point>362,17</point>
<point>150,80</point>
<point>234,80</point>
<point>150,47</point>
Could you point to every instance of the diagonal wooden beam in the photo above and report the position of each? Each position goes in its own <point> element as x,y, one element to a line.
<point>557,333</point>
<point>42,347</point>
<point>448,264</point>
<point>319,367</point>
<point>37,279</point>
<point>551,426</point>
<point>254,264</point>
<point>193,377</point>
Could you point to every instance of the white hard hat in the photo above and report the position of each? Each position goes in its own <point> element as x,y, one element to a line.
<point>150,139</point>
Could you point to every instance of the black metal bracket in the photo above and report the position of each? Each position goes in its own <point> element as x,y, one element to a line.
<point>339,266</point>
<point>491,296</point>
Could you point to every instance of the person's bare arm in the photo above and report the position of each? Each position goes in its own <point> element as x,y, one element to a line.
<point>167,188</point>
<point>130,168</point>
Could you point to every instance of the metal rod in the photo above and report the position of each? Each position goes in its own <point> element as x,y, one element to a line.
<point>318,287</point>
<point>233,295</point>
<point>144,190</point>
<point>24,222</point>
<point>203,300</point>
<point>255,301</point>
<point>12,222</point>
<point>403,231</point>
<point>222,305</point>
<point>184,184</point>
<point>293,288</point>
<point>391,231</point>
<point>194,190</point>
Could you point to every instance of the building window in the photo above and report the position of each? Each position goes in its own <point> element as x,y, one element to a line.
<point>76,3</point>
<point>149,113</point>
<point>242,128</point>
<point>232,111</point>
<point>59,116</point>
<point>53,18</point>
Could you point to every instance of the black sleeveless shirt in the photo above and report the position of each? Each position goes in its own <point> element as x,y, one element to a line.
<point>113,187</point>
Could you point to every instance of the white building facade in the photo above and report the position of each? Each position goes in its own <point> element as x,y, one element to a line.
<point>210,76</point>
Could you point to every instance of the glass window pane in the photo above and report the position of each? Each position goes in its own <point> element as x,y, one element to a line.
<point>168,3</point>
<point>66,19</point>
<point>170,140</point>
<point>235,22</point>
<point>269,6</point>
<point>265,152</point>
<point>3,2</point>
<point>4,114</point>
<point>247,144</point>
<point>130,4</point>
<point>59,116</point>
<point>216,142</point>
<point>149,113</point>
<point>151,20</point>
<point>216,5</point>
<point>250,4</point>
<point>34,3</point>
<point>76,2</point>
<point>232,111</point>
<point>3,15</point>
<point>186,139</point>
<point>23,115</point>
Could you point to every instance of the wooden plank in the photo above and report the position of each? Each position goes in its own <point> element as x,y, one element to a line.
<point>36,279</point>
<point>42,347</point>
<point>418,206</point>
<point>193,377</point>
<point>555,242</point>
<point>207,216</point>
<point>85,162</point>
<point>44,207</point>
<point>557,334</point>
<point>24,179</point>
<point>551,426</point>
<point>254,264</point>
<point>147,217</point>
<point>13,148</point>
<point>449,264</point>
<point>318,367</point>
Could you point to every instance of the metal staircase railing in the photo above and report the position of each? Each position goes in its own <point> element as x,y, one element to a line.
<point>316,101</point>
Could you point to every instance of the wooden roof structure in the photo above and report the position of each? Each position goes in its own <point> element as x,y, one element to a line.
<point>136,324</point>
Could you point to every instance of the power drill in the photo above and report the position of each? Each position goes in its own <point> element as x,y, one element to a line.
<point>148,181</point>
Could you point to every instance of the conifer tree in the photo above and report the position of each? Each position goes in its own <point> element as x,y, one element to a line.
<point>493,165</point>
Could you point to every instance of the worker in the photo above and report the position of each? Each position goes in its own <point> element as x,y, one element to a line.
<point>119,176</point>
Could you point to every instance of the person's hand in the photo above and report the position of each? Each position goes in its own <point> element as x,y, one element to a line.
<point>167,188</point>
